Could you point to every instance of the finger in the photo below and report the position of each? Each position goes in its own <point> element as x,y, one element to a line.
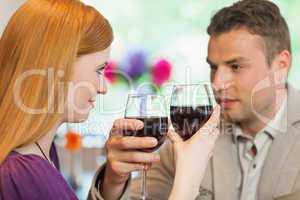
<point>212,123</point>
<point>215,134</point>
<point>138,157</point>
<point>128,124</point>
<point>131,142</point>
<point>174,137</point>
<point>116,132</point>
<point>209,139</point>
<point>120,125</point>
<point>212,136</point>
<point>170,124</point>
<point>123,168</point>
<point>215,117</point>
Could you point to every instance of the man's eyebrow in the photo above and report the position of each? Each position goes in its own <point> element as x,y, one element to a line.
<point>210,62</point>
<point>235,60</point>
<point>228,62</point>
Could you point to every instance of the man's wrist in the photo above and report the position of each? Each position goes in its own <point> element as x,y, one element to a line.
<point>107,184</point>
<point>112,178</point>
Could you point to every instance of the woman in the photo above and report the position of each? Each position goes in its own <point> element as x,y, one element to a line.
<point>52,54</point>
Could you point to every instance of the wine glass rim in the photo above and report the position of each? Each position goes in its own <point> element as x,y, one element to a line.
<point>191,84</point>
<point>145,94</point>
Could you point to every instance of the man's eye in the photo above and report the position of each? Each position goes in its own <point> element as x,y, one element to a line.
<point>235,67</point>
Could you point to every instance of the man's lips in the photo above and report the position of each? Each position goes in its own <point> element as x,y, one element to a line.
<point>227,103</point>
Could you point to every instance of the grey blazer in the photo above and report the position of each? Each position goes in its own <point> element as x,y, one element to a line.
<point>280,179</point>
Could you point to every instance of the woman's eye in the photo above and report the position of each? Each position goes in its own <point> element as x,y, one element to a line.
<point>213,67</point>
<point>99,72</point>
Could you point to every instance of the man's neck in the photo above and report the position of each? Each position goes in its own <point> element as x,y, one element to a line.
<point>252,128</point>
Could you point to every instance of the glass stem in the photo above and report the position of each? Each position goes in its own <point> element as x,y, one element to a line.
<point>143,188</point>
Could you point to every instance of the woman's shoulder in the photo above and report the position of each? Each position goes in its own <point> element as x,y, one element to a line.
<point>31,177</point>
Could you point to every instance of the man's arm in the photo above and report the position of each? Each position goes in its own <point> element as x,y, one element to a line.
<point>95,194</point>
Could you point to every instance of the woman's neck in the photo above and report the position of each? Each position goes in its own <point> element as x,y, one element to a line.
<point>45,143</point>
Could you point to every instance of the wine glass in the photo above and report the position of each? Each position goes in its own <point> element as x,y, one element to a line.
<point>191,107</point>
<point>151,110</point>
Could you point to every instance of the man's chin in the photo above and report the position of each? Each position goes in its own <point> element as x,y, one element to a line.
<point>229,117</point>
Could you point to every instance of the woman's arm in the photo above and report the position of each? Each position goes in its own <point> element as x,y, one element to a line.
<point>123,157</point>
<point>192,157</point>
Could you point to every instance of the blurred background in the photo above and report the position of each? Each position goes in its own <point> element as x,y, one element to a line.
<point>157,44</point>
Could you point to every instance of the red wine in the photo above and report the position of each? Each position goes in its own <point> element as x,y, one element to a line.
<point>187,120</point>
<point>153,127</point>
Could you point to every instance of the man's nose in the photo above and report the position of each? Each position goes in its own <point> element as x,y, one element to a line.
<point>221,78</point>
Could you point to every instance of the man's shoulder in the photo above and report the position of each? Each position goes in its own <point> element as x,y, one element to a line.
<point>293,93</point>
<point>293,108</point>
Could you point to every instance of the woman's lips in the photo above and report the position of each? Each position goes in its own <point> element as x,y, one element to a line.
<point>93,103</point>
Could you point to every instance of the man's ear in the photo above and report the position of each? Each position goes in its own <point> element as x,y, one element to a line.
<point>283,60</point>
<point>280,67</point>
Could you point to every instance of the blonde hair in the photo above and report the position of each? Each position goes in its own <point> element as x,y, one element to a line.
<point>43,34</point>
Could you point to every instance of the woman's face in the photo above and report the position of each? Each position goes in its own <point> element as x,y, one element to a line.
<point>86,82</point>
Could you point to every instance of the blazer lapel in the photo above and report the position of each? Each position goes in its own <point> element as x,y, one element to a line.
<point>278,175</point>
<point>275,162</point>
<point>225,168</point>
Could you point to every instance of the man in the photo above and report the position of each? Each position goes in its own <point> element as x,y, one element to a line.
<point>256,157</point>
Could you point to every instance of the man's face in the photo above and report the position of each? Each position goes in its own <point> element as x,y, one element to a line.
<point>238,66</point>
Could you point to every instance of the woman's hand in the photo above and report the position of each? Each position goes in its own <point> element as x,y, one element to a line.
<point>123,157</point>
<point>192,156</point>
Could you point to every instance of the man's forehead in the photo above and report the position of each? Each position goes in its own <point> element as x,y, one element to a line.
<point>235,45</point>
<point>235,35</point>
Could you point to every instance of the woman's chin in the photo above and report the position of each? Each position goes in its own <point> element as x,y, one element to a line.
<point>83,118</point>
<point>79,118</point>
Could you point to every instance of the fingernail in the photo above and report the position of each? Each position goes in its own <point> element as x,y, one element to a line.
<point>140,125</point>
<point>153,141</point>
